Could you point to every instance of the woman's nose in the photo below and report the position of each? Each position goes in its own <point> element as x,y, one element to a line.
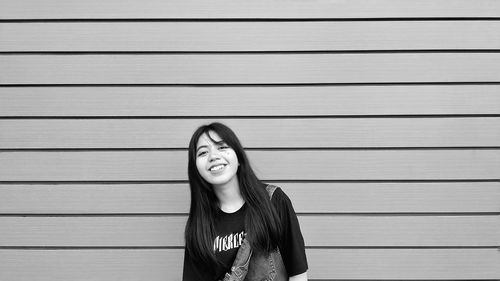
<point>213,155</point>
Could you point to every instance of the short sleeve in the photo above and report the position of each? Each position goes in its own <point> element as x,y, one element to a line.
<point>291,246</point>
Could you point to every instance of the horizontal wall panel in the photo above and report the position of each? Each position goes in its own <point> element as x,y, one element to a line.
<point>111,265</point>
<point>247,101</point>
<point>394,197</point>
<point>452,264</point>
<point>387,197</point>
<point>93,231</point>
<point>248,36</point>
<point>318,231</point>
<point>160,265</point>
<point>275,165</point>
<point>271,133</point>
<point>95,198</point>
<point>250,68</point>
<point>401,231</point>
<point>64,9</point>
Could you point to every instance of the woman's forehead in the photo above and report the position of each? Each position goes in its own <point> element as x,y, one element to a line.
<point>208,138</point>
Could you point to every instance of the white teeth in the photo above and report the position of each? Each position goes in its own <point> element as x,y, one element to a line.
<point>216,168</point>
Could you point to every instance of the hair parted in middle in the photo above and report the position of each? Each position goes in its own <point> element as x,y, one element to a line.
<point>261,220</point>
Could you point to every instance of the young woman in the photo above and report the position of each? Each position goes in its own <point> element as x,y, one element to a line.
<point>239,228</point>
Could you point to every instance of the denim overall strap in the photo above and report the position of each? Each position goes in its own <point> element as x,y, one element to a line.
<point>270,190</point>
<point>239,269</point>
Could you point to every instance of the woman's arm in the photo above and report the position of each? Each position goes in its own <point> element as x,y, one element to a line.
<point>300,277</point>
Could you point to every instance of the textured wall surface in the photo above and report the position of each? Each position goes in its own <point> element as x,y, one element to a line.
<point>380,119</point>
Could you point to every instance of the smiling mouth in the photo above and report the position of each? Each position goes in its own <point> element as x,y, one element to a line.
<point>216,168</point>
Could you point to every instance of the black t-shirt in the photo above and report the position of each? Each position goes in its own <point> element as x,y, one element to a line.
<point>230,231</point>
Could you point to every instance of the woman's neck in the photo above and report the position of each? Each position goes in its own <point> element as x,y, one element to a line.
<point>229,196</point>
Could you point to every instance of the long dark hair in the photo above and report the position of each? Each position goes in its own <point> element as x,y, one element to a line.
<point>261,221</point>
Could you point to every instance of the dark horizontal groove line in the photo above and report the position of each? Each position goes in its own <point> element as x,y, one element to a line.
<point>75,215</point>
<point>381,116</point>
<point>375,148</point>
<point>259,19</point>
<point>91,247</point>
<point>252,149</point>
<point>265,180</point>
<point>254,84</point>
<point>182,247</point>
<point>285,52</point>
<point>300,214</point>
<point>399,214</point>
<point>413,279</point>
<point>382,180</point>
<point>400,247</point>
<point>93,182</point>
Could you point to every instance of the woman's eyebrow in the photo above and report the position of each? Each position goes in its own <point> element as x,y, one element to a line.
<point>202,146</point>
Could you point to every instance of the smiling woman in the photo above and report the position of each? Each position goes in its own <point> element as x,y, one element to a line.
<point>239,228</point>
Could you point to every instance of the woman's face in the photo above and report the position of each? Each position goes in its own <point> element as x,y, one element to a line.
<point>217,163</point>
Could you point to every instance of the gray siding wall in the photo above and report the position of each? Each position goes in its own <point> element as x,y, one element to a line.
<point>380,119</point>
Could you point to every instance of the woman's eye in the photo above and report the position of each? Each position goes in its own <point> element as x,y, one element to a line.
<point>202,153</point>
<point>223,147</point>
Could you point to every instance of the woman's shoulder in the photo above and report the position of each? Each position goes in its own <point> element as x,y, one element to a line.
<point>277,195</point>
